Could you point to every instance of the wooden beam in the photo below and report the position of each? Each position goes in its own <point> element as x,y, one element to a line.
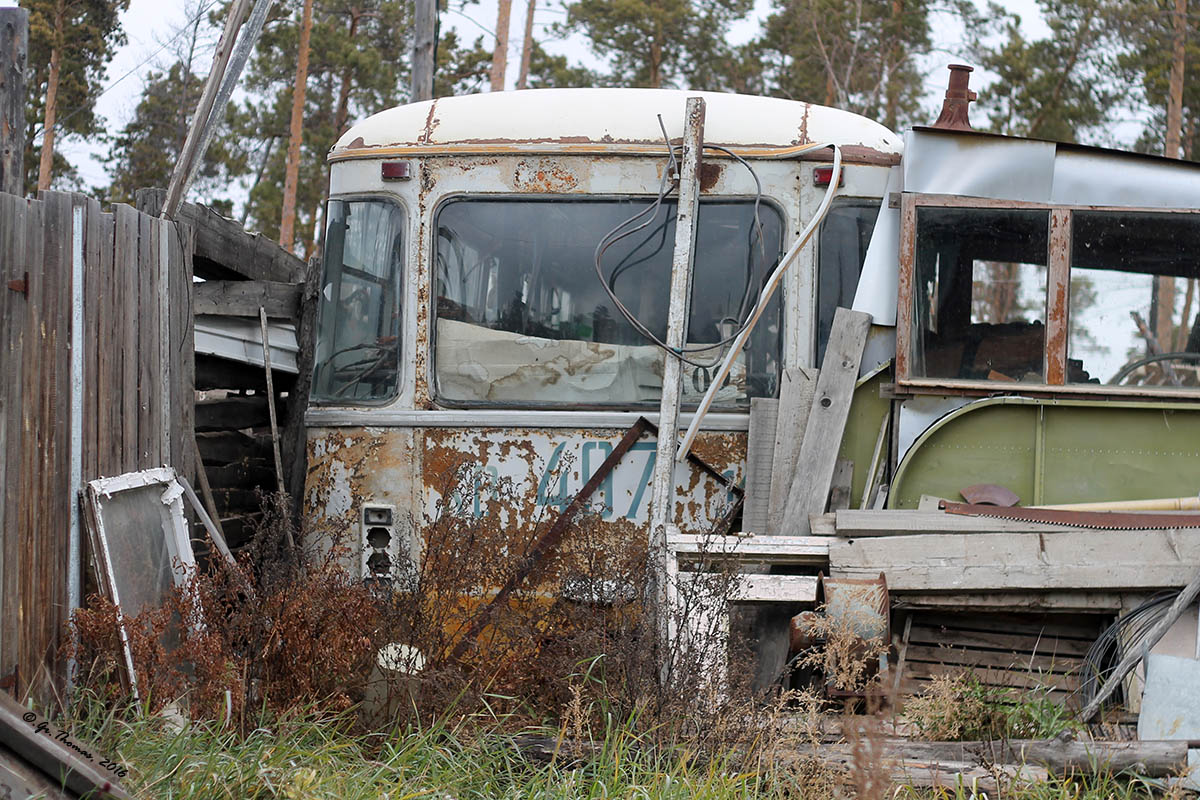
<point>815,464</point>
<point>776,549</point>
<point>1020,601</point>
<point>226,244</point>
<point>244,298</point>
<point>795,400</point>
<point>857,524</point>
<point>760,452</point>
<point>965,562</point>
<point>766,588</point>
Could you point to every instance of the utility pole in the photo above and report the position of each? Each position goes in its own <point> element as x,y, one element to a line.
<point>14,53</point>
<point>1164,285</point>
<point>526,47</point>
<point>291,180</point>
<point>500,54</point>
<point>424,47</point>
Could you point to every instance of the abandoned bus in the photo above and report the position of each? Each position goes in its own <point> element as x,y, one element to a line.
<point>463,317</point>
<point>1016,322</point>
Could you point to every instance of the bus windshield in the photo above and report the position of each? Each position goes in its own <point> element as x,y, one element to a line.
<point>523,318</point>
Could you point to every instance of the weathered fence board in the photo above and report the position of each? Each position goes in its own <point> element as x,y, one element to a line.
<point>135,405</point>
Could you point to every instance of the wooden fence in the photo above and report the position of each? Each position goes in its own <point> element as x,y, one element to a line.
<point>96,379</point>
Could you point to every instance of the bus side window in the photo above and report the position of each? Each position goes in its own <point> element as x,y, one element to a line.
<point>841,250</point>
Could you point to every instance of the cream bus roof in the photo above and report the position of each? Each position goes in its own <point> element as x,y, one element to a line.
<point>610,121</point>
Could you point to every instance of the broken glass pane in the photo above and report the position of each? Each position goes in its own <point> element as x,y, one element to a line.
<point>358,339</point>
<point>980,294</point>
<point>1135,316</point>
<point>523,318</point>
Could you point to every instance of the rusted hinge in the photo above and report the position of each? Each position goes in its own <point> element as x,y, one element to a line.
<point>20,284</point>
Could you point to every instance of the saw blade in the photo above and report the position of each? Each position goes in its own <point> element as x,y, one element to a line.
<point>1101,520</point>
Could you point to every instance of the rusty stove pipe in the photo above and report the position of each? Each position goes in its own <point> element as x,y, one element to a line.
<point>958,97</point>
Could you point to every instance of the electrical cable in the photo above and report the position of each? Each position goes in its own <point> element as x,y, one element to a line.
<point>616,234</point>
<point>1126,633</point>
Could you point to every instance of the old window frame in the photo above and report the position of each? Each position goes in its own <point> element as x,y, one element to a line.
<point>1058,282</point>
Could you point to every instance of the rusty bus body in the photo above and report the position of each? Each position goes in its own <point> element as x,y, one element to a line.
<point>482,328</point>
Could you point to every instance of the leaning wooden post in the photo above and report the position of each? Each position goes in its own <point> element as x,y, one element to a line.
<point>662,502</point>
<point>14,52</point>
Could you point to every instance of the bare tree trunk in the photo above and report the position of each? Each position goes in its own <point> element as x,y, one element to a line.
<point>500,54</point>
<point>46,164</point>
<point>1164,285</point>
<point>291,181</point>
<point>527,46</point>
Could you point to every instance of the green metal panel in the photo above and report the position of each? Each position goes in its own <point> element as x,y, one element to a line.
<point>1056,451</point>
<point>867,410</point>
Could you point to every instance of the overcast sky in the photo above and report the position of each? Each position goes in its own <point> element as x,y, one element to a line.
<point>149,25</point>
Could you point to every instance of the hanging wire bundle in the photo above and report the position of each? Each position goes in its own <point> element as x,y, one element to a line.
<point>631,226</point>
<point>1127,633</point>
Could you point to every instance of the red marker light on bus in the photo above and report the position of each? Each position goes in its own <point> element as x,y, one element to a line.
<point>395,171</point>
<point>823,176</point>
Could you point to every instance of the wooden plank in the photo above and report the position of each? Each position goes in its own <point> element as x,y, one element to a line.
<point>183,361</point>
<point>93,287</point>
<point>806,549</point>
<point>14,59</point>
<point>952,562</point>
<point>809,490</point>
<point>839,490</point>
<point>760,451</point>
<point>13,266</point>
<point>125,308</point>
<point>53,598</point>
<point>149,401</point>
<point>224,447</point>
<point>961,656</point>
<point>1011,601</point>
<point>28,523</point>
<point>232,413</point>
<point>224,248</point>
<point>795,399</point>
<point>1071,626</point>
<point>1012,679</point>
<point>924,634</point>
<point>111,365</point>
<point>765,588</point>
<point>857,524</point>
<point>162,293</point>
<point>244,298</point>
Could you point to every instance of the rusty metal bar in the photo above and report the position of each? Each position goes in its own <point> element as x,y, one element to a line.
<point>663,485</point>
<point>702,465</point>
<point>552,538</point>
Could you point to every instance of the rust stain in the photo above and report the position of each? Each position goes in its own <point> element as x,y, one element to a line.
<point>431,122</point>
<point>710,173</point>
<point>545,175</point>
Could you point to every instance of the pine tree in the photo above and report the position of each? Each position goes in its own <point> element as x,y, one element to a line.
<point>851,54</point>
<point>659,43</point>
<point>1056,87</point>
<point>70,45</point>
